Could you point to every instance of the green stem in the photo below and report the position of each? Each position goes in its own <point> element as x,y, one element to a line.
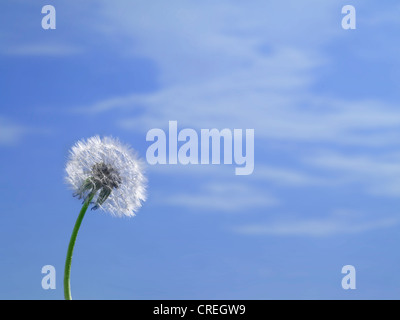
<point>68,261</point>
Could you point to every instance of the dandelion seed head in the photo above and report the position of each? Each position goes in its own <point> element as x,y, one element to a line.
<point>111,170</point>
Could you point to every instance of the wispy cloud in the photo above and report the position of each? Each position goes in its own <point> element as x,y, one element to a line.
<point>379,174</point>
<point>11,133</point>
<point>223,197</point>
<point>274,116</point>
<point>43,49</point>
<point>323,227</point>
<point>213,59</point>
<point>119,102</point>
<point>288,177</point>
<point>231,65</point>
<point>238,72</point>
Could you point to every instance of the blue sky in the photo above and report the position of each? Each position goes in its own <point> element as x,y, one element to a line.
<point>323,102</point>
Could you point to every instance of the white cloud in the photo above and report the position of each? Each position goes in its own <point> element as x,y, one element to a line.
<point>379,174</point>
<point>274,115</point>
<point>323,227</point>
<point>194,41</point>
<point>287,177</point>
<point>222,197</point>
<point>41,50</point>
<point>120,102</point>
<point>10,133</point>
<point>216,61</point>
<point>231,64</point>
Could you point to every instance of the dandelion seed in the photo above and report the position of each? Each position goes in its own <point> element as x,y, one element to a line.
<point>108,175</point>
<point>110,170</point>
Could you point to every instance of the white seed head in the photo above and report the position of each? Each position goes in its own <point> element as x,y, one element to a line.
<point>109,169</point>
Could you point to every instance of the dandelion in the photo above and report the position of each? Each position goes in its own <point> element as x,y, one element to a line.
<point>107,175</point>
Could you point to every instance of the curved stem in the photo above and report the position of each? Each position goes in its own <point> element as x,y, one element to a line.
<point>68,261</point>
